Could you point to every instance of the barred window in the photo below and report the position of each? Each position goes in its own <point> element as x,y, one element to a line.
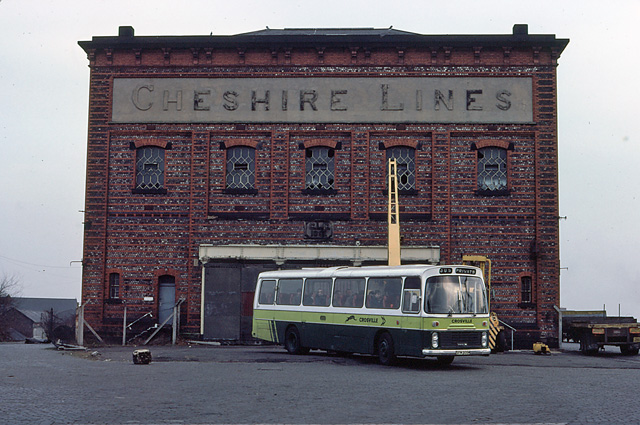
<point>319,168</point>
<point>114,285</point>
<point>526,289</point>
<point>241,167</point>
<point>406,166</point>
<point>149,167</point>
<point>492,170</point>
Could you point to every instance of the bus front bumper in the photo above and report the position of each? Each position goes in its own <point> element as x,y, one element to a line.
<point>469,352</point>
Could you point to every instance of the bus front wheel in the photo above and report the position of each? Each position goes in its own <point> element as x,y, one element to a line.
<point>386,353</point>
<point>292,341</point>
<point>445,360</point>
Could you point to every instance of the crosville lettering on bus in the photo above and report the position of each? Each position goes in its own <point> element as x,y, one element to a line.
<point>368,320</point>
<point>461,321</point>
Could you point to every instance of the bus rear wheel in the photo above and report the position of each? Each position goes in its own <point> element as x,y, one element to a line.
<point>386,350</point>
<point>292,341</point>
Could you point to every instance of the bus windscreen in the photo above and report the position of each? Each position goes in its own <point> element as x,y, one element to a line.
<point>455,295</point>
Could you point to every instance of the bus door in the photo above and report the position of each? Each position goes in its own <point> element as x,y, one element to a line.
<point>263,313</point>
<point>411,321</point>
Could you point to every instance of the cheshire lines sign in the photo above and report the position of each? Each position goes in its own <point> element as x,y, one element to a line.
<point>324,100</point>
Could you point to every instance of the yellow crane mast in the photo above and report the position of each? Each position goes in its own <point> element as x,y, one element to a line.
<point>393,218</point>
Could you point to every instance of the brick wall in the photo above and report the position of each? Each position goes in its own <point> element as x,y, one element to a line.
<point>143,236</point>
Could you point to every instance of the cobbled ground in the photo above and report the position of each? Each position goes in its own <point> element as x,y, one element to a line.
<point>263,384</point>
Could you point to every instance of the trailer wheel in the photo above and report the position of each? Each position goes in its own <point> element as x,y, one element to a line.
<point>629,350</point>
<point>588,344</point>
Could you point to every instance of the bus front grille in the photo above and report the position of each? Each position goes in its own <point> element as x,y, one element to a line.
<point>460,339</point>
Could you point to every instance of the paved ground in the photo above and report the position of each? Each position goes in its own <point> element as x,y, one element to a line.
<point>204,384</point>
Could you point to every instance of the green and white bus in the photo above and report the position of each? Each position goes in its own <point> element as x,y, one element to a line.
<point>412,310</point>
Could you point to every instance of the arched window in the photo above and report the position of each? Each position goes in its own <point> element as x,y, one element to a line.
<point>241,167</point>
<point>492,170</point>
<point>319,168</point>
<point>406,166</point>
<point>149,167</point>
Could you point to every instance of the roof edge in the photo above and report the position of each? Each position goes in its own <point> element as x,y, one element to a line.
<point>325,37</point>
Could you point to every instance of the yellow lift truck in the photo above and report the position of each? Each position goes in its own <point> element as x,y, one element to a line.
<point>497,332</point>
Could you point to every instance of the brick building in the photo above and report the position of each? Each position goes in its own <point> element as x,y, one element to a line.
<point>212,158</point>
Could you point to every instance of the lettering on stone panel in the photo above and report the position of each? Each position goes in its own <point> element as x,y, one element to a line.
<point>324,100</point>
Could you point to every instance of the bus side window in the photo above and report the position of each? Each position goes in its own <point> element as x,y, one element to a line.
<point>358,299</point>
<point>384,292</point>
<point>411,302</point>
<point>317,292</point>
<point>289,292</point>
<point>411,295</point>
<point>348,292</point>
<point>267,292</point>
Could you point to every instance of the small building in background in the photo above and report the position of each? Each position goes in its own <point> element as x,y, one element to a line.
<point>38,318</point>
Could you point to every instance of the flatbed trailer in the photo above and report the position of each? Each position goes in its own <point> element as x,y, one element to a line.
<point>594,332</point>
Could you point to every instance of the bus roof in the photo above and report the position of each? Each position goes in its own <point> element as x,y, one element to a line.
<point>345,271</point>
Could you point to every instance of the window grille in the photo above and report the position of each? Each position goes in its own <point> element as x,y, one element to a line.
<point>492,169</point>
<point>149,167</point>
<point>241,167</point>
<point>319,166</point>
<point>406,166</point>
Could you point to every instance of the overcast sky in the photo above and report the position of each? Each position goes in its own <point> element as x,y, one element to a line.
<point>44,82</point>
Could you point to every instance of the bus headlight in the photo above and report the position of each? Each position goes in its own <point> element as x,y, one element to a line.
<point>434,340</point>
<point>484,340</point>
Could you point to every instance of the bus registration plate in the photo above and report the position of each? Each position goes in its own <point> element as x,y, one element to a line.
<point>463,353</point>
